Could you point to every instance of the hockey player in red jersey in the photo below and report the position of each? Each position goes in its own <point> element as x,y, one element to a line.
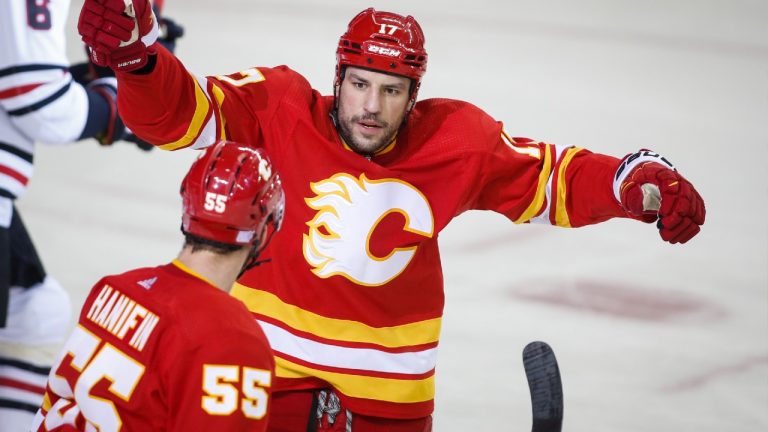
<point>353,302</point>
<point>167,348</point>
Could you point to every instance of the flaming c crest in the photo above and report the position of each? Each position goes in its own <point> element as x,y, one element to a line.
<point>348,211</point>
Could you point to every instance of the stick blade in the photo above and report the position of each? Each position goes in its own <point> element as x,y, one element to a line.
<point>545,385</point>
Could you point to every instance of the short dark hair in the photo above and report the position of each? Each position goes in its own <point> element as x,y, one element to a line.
<point>202,244</point>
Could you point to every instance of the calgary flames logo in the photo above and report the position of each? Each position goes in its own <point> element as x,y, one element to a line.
<point>348,211</point>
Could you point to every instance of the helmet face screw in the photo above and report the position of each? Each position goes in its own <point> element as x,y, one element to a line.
<point>370,60</point>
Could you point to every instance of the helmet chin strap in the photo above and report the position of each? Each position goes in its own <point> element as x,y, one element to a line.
<point>252,260</point>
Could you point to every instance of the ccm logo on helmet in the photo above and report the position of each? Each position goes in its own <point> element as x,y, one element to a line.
<point>384,51</point>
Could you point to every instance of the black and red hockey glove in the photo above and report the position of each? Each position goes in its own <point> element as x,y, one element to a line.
<point>650,189</point>
<point>120,34</point>
<point>114,129</point>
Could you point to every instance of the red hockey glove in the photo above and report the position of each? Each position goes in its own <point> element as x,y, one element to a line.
<point>650,189</point>
<point>119,33</point>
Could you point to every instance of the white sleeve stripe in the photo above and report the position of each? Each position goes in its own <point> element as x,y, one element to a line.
<point>9,185</point>
<point>543,218</point>
<point>37,376</point>
<point>29,68</point>
<point>41,103</point>
<point>16,164</point>
<point>20,395</point>
<point>16,151</point>
<point>42,78</point>
<point>207,136</point>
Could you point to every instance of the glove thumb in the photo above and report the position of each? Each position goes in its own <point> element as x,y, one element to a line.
<point>642,201</point>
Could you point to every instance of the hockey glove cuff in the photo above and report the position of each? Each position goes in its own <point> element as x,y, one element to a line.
<point>649,188</point>
<point>115,129</point>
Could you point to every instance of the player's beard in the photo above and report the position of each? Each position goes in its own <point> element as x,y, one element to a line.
<point>366,148</point>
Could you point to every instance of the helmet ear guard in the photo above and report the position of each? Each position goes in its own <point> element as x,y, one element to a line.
<point>231,195</point>
<point>383,42</point>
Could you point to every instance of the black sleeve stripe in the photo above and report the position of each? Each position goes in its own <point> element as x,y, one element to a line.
<point>29,68</point>
<point>12,404</point>
<point>18,364</point>
<point>16,152</point>
<point>6,194</point>
<point>36,106</point>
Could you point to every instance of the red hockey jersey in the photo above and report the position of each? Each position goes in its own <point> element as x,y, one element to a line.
<point>353,295</point>
<point>160,349</point>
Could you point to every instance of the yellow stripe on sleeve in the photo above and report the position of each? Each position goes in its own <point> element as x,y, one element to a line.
<point>46,405</point>
<point>267,304</point>
<point>219,95</point>
<point>561,212</point>
<point>367,387</point>
<point>541,189</point>
<point>202,106</point>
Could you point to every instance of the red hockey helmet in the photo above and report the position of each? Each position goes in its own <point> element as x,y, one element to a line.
<point>231,195</point>
<point>385,42</point>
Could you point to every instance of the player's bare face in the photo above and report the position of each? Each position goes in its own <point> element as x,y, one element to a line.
<point>372,107</point>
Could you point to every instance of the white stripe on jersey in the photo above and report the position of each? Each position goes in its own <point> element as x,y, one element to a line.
<point>418,362</point>
<point>21,389</point>
<point>16,152</point>
<point>20,395</point>
<point>208,135</point>
<point>29,99</point>
<point>16,161</point>
<point>543,218</point>
<point>55,118</point>
<point>20,76</point>
<point>35,379</point>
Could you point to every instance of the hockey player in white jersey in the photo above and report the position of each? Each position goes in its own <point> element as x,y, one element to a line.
<point>40,102</point>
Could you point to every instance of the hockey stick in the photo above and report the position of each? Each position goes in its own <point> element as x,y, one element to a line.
<point>543,376</point>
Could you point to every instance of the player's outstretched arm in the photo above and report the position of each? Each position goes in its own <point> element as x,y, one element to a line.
<point>649,187</point>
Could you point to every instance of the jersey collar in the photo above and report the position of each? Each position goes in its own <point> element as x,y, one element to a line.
<point>189,271</point>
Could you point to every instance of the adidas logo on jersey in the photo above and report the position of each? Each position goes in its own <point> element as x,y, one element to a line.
<point>147,283</point>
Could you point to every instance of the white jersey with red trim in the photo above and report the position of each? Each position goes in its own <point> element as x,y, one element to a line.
<point>39,101</point>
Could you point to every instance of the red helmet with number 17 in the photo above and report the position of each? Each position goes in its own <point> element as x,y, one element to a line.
<point>384,42</point>
<point>231,195</point>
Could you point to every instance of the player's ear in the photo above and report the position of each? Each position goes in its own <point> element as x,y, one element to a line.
<point>337,83</point>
